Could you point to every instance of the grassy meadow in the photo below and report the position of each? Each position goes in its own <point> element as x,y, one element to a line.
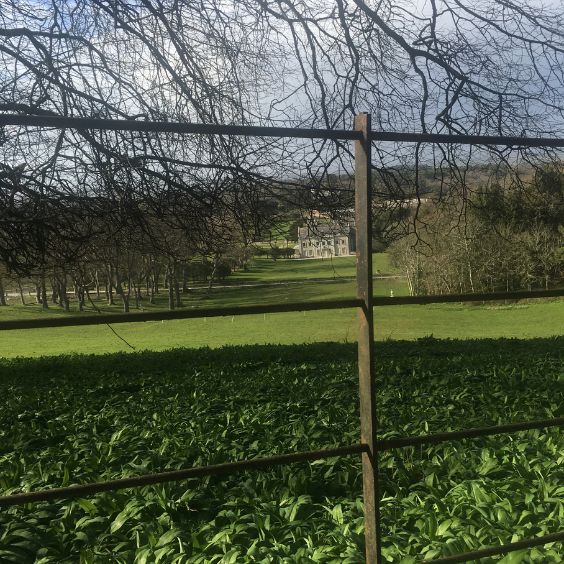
<point>270,281</point>
<point>267,270</point>
<point>206,391</point>
<point>410,322</point>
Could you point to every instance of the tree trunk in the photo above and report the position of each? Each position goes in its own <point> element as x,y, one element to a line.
<point>20,289</point>
<point>97,281</point>
<point>79,293</point>
<point>44,301</point>
<point>2,293</point>
<point>177,290</point>
<point>110,291</point>
<point>137,294</point>
<point>170,286</point>
<point>63,297</point>
<point>151,289</point>
<point>184,279</point>
<point>54,291</point>
<point>124,297</point>
<point>121,292</point>
<point>212,275</point>
<point>156,274</point>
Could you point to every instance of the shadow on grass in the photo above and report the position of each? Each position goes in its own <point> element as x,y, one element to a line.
<point>174,360</point>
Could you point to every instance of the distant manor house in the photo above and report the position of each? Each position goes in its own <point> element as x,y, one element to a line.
<point>324,240</point>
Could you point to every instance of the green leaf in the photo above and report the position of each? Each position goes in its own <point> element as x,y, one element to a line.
<point>168,537</point>
<point>514,557</point>
<point>444,527</point>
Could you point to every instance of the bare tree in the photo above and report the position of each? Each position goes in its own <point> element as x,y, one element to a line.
<point>453,66</point>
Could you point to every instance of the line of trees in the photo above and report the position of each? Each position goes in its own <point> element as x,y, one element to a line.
<point>124,233</point>
<point>74,197</point>
<point>511,238</point>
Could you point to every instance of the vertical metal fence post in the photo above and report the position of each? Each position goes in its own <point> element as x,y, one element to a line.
<point>367,388</point>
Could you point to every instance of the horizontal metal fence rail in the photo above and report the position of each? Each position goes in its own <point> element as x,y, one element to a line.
<point>62,122</point>
<point>177,475</point>
<point>176,314</point>
<point>365,136</point>
<point>439,138</point>
<point>498,550</point>
<point>436,438</point>
<point>481,297</point>
<point>260,463</point>
<point>102,319</point>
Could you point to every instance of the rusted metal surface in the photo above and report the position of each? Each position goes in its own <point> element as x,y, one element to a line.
<point>61,122</point>
<point>367,387</point>
<point>177,475</point>
<point>175,314</point>
<point>485,297</point>
<point>495,550</point>
<point>401,442</point>
<point>509,141</point>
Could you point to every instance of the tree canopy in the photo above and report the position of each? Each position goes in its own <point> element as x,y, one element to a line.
<point>447,66</point>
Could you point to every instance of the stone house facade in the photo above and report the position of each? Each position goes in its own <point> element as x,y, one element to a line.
<point>325,240</point>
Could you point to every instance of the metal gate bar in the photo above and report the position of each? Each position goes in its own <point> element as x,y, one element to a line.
<point>101,319</point>
<point>370,445</point>
<point>82,490</point>
<point>496,550</point>
<point>62,122</point>
<point>176,314</point>
<point>402,442</point>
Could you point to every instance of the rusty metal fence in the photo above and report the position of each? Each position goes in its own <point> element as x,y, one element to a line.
<point>370,446</point>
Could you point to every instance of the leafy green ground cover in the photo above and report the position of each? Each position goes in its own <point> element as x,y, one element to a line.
<point>76,419</point>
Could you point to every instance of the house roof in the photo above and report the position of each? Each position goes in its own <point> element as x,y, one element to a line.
<point>320,230</point>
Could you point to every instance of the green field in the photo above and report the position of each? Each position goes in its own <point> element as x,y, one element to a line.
<point>307,280</point>
<point>85,418</point>
<point>543,319</point>
<point>267,270</point>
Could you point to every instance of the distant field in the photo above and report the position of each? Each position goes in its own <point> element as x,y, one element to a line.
<point>538,319</point>
<point>306,280</point>
<point>523,320</point>
<point>267,270</point>
<point>235,295</point>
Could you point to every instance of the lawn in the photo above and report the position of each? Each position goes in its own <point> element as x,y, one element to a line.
<point>542,318</point>
<point>523,320</point>
<point>80,419</point>
<point>267,270</point>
